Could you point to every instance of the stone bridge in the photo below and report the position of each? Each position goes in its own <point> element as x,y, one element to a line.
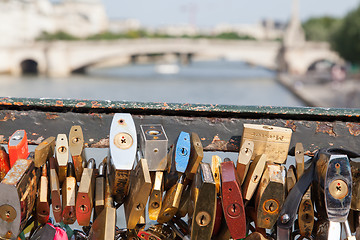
<point>62,58</point>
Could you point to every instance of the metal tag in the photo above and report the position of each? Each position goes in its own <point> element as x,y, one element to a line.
<point>271,140</point>
<point>253,177</point>
<point>43,151</point>
<point>18,146</point>
<point>245,154</point>
<point>76,146</point>
<point>270,195</point>
<point>18,194</point>
<point>232,201</point>
<point>85,195</point>
<point>62,155</point>
<point>140,190</point>
<point>154,145</point>
<point>203,218</point>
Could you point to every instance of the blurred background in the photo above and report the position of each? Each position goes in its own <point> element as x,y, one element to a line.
<point>279,53</point>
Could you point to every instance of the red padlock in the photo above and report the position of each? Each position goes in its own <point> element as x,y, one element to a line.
<point>232,201</point>
<point>18,146</point>
<point>4,163</point>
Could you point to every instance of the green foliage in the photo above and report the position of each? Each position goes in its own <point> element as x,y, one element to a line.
<point>321,28</point>
<point>346,40</point>
<point>233,36</point>
<point>56,36</point>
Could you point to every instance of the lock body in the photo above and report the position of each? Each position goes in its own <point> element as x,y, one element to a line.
<point>196,156</point>
<point>18,146</point>
<point>270,140</point>
<point>76,146</point>
<point>62,155</point>
<point>43,151</point>
<point>18,195</point>
<point>4,163</point>
<point>69,192</point>
<point>155,200</point>
<point>55,190</point>
<point>243,163</point>
<point>43,207</point>
<point>253,177</point>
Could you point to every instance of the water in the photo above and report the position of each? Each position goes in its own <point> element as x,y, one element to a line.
<point>219,82</point>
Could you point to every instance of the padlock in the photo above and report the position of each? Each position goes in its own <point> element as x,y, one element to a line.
<point>203,218</point>
<point>182,151</point>
<point>4,163</point>
<point>253,177</point>
<point>140,186</point>
<point>43,151</point>
<point>243,163</point>
<point>45,232</point>
<point>76,146</point>
<point>62,155</point>
<point>218,216</point>
<point>18,146</point>
<point>232,201</point>
<point>184,202</point>
<point>270,195</point>
<point>255,236</point>
<point>100,190</point>
<point>290,178</point>
<point>171,201</point>
<point>170,175</point>
<point>196,156</point>
<point>333,185</point>
<point>348,234</point>
<point>270,140</point>
<point>215,169</point>
<point>306,208</point>
<point>155,199</point>
<point>18,194</point>
<point>55,190</point>
<point>154,145</point>
<point>123,146</point>
<point>104,225</point>
<point>178,232</point>
<point>42,206</point>
<point>85,194</point>
<point>69,192</point>
<point>156,231</point>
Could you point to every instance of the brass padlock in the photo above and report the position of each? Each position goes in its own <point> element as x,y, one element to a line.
<point>62,155</point>
<point>18,188</point>
<point>76,146</point>
<point>196,156</point>
<point>270,195</point>
<point>203,218</point>
<point>290,178</point>
<point>155,199</point>
<point>104,225</point>
<point>69,191</point>
<point>306,208</point>
<point>171,201</point>
<point>270,140</point>
<point>55,190</point>
<point>140,186</point>
<point>100,190</point>
<point>232,201</point>
<point>156,231</point>
<point>123,147</point>
<point>243,163</point>
<point>184,202</point>
<point>4,163</point>
<point>42,206</point>
<point>85,195</point>
<point>253,177</point>
<point>43,151</point>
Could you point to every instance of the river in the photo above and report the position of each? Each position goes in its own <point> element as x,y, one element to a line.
<point>217,82</point>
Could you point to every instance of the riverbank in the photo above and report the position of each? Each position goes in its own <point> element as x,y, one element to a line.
<point>323,94</point>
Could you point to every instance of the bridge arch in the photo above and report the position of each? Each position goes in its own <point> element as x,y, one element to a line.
<point>29,66</point>
<point>321,65</point>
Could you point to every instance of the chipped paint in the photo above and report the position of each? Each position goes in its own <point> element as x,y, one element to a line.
<point>291,124</point>
<point>354,128</point>
<point>8,116</point>
<point>51,116</point>
<point>103,143</point>
<point>325,127</point>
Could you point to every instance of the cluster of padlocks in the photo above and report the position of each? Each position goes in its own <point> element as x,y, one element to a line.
<point>186,198</point>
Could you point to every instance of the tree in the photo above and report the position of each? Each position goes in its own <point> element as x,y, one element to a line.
<point>346,40</point>
<point>321,28</point>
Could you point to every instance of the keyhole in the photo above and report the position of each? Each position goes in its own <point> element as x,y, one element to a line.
<point>7,214</point>
<point>183,151</point>
<point>62,149</point>
<point>271,207</point>
<point>255,178</point>
<point>233,208</point>
<point>123,141</point>
<point>338,188</point>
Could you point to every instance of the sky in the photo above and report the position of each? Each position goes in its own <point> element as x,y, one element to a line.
<point>207,13</point>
